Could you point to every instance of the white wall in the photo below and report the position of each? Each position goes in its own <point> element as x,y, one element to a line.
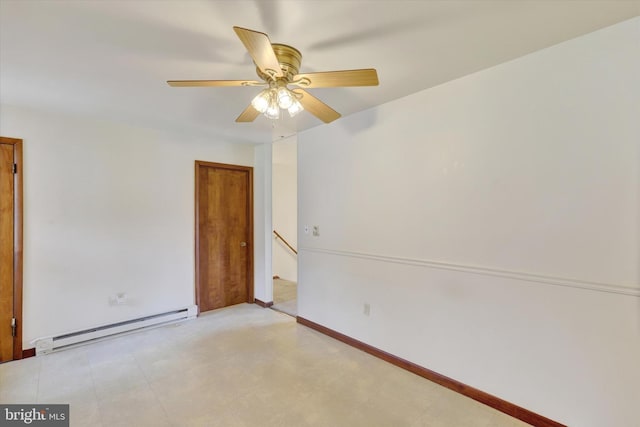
<point>492,224</point>
<point>263,281</point>
<point>107,208</point>
<point>285,207</point>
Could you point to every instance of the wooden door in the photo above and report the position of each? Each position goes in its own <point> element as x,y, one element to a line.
<point>10,249</point>
<point>224,235</point>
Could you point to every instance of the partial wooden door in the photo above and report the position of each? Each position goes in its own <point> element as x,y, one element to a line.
<point>10,249</point>
<point>224,235</point>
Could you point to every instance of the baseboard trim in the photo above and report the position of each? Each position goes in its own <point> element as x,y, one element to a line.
<point>471,392</point>
<point>262,303</point>
<point>29,352</point>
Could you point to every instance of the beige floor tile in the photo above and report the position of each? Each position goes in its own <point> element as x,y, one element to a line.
<point>285,296</point>
<point>284,290</point>
<point>118,376</point>
<point>17,390</point>
<point>57,385</point>
<point>20,368</point>
<point>19,381</point>
<point>138,406</point>
<point>238,366</point>
<point>84,413</point>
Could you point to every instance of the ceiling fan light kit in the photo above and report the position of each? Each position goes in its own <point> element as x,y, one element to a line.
<point>270,101</point>
<point>278,65</point>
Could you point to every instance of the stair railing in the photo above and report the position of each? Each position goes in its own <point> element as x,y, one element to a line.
<point>278,236</point>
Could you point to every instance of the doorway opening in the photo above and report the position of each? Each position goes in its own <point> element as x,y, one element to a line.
<point>285,225</point>
<point>285,292</point>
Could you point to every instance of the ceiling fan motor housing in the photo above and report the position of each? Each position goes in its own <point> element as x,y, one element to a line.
<point>289,58</point>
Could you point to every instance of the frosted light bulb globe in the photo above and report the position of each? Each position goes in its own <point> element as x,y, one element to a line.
<point>273,111</point>
<point>285,99</point>
<point>295,108</point>
<point>261,101</point>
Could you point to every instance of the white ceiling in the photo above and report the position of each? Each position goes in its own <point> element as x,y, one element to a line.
<point>111,59</point>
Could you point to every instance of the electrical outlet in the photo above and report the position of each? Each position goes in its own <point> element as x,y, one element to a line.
<point>118,299</point>
<point>121,298</point>
<point>316,230</point>
<point>367,309</point>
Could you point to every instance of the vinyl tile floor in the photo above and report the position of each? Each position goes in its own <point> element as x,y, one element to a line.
<point>238,366</point>
<point>285,296</point>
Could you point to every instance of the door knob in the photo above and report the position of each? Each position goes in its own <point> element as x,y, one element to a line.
<point>243,244</point>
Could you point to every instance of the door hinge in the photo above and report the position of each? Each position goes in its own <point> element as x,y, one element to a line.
<point>15,168</point>
<point>13,327</point>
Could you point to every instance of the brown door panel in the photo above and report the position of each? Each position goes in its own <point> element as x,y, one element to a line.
<point>10,249</point>
<point>224,228</point>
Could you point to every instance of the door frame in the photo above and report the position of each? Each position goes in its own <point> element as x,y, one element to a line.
<point>17,242</point>
<point>249,170</point>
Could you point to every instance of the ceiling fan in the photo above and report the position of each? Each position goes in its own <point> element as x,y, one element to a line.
<point>277,65</point>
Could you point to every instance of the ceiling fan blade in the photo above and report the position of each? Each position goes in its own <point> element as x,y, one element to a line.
<point>212,83</point>
<point>365,77</point>
<point>259,47</point>
<point>248,115</point>
<point>317,107</point>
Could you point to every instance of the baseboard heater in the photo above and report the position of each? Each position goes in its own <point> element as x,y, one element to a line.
<point>49,344</point>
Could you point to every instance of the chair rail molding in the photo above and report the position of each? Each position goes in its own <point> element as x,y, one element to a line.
<point>628,290</point>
